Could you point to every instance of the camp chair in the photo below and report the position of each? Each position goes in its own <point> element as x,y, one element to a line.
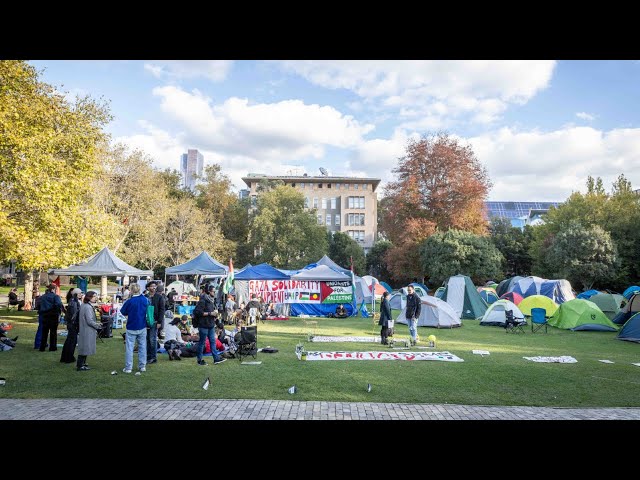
<point>538,319</point>
<point>512,325</point>
<point>248,342</point>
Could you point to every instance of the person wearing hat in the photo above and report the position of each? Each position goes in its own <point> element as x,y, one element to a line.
<point>73,315</point>
<point>88,328</point>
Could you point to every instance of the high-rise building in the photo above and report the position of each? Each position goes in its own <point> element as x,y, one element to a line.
<point>190,166</point>
<point>342,204</point>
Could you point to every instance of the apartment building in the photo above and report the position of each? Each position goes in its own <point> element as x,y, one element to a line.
<point>342,204</point>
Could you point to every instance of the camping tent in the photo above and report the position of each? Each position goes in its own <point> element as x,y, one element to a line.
<point>387,286</point>
<point>609,303</point>
<point>631,330</point>
<point>630,291</point>
<point>181,287</point>
<point>496,313</point>
<point>203,264</point>
<point>557,290</point>
<point>629,310</point>
<point>513,297</point>
<point>434,313</point>
<point>587,295</point>
<point>506,285</point>
<point>380,289</point>
<point>333,265</point>
<point>398,300</point>
<point>324,274</point>
<point>488,295</point>
<point>580,314</point>
<point>538,301</point>
<point>104,264</point>
<point>463,297</point>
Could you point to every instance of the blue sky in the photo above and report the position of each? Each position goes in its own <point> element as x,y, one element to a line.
<point>539,127</point>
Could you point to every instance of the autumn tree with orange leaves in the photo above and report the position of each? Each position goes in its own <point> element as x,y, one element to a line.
<point>440,185</point>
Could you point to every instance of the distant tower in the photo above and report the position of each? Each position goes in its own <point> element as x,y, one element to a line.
<point>190,166</point>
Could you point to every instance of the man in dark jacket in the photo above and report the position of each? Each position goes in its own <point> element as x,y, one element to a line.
<point>412,313</point>
<point>50,307</point>
<point>207,314</point>
<point>157,300</point>
<point>385,316</point>
<point>73,315</point>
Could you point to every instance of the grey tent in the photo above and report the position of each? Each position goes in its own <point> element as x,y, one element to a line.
<point>321,273</point>
<point>333,265</point>
<point>104,264</point>
<point>203,264</point>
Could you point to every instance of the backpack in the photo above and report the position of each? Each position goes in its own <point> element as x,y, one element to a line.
<point>195,321</point>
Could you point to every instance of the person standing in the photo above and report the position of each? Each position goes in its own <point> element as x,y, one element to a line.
<point>385,316</point>
<point>50,307</point>
<point>88,328</point>
<point>412,312</point>
<point>73,315</point>
<point>135,309</point>
<point>156,299</point>
<point>206,314</point>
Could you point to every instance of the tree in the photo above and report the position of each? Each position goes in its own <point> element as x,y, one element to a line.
<point>459,252</point>
<point>440,185</point>
<point>376,260</point>
<point>173,181</point>
<point>282,233</point>
<point>48,147</point>
<point>585,256</point>
<point>342,248</point>
<point>513,243</point>
<point>214,194</point>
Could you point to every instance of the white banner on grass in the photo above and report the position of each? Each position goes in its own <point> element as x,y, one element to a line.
<point>411,356</point>
<point>321,338</point>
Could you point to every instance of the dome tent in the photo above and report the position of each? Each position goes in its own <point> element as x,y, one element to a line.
<point>433,313</point>
<point>464,298</point>
<point>580,314</point>
<point>496,313</point>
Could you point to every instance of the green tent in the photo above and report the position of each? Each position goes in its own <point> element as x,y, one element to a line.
<point>462,295</point>
<point>609,303</point>
<point>581,314</point>
<point>538,301</point>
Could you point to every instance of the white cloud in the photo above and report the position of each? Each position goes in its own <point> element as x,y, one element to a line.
<point>586,116</point>
<point>214,70</point>
<point>538,165</point>
<point>440,91</point>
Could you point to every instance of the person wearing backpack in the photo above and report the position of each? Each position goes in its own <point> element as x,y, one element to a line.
<point>204,316</point>
<point>73,313</point>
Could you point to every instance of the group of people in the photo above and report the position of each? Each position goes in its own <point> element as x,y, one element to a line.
<point>412,313</point>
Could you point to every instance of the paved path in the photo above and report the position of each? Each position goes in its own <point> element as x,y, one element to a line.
<point>143,409</point>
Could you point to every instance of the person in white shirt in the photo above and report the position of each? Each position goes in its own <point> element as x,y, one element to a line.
<point>125,293</point>
<point>173,340</point>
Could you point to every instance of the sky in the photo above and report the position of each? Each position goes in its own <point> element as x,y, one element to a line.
<point>540,127</point>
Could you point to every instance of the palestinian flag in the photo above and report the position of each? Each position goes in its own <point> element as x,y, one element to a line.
<point>303,296</point>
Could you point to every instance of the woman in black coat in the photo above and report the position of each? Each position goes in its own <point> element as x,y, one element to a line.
<point>385,316</point>
<point>73,311</point>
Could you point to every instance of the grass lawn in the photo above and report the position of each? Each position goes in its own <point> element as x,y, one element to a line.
<point>503,378</point>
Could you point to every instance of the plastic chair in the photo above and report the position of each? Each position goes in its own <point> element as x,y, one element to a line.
<point>538,319</point>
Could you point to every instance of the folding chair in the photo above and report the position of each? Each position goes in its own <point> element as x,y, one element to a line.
<point>538,319</point>
<point>513,325</point>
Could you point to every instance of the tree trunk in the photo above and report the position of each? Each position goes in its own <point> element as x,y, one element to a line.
<point>28,286</point>
<point>103,288</point>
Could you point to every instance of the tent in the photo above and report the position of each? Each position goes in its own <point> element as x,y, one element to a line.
<point>496,313</point>
<point>629,310</point>
<point>557,290</point>
<point>324,274</point>
<point>320,273</point>
<point>587,295</point>
<point>464,298</point>
<point>631,330</point>
<point>242,269</point>
<point>181,287</point>
<point>609,303</point>
<point>513,297</point>
<point>433,313</point>
<point>580,314</point>
<point>630,291</point>
<point>528,286</point>
<point>538,301</point>
<point>104,264</point>
<point>387,286</point>
<point>439,292</point>
<point>488,295</point>
<point>506,285</point>
<point>203,264</point>
<point>380,289</point>
<point>263,271</point>
<point>398,300</point>
<point>333,265</point>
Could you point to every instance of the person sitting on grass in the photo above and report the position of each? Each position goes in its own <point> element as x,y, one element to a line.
<point>341,311</point>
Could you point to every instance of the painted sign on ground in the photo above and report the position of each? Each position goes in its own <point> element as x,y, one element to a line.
<point>410,356</point>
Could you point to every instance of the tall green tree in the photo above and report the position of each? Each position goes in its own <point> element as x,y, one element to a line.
<point>513,243</point>
<point>214,193</point>
<point>585,256</point>
<point>343,248</point>
<point>48,147</point>
<point>439,185</point>
<point>459,252</point>
<point>173,181</point>
<point>282,233</point>
<point>376,260</point>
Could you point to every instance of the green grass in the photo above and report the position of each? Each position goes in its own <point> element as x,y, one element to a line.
<point>503,378</point>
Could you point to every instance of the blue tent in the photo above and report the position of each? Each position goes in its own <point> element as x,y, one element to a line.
<point>588,294</point>
<point>629,291</point>
<point>387,286</point>
<point>203,264</point>
<point>263,271</point>
<point>631,330</point>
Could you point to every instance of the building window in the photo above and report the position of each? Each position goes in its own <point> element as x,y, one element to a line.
<point>361,202</point>
<point>319,185</point>
<point>328,219</point>
<point>319,219</point>
<point>293,185</point>
<point>306,202</point>
<point>315,202</point>
<point>328,185</point>
<point>324,203</point>
<point>361,236</point>
<point>337,223</point>
<point>355,186</point>
<point>302,185</point>
<point>350,202</point>
<point>333,203</point>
